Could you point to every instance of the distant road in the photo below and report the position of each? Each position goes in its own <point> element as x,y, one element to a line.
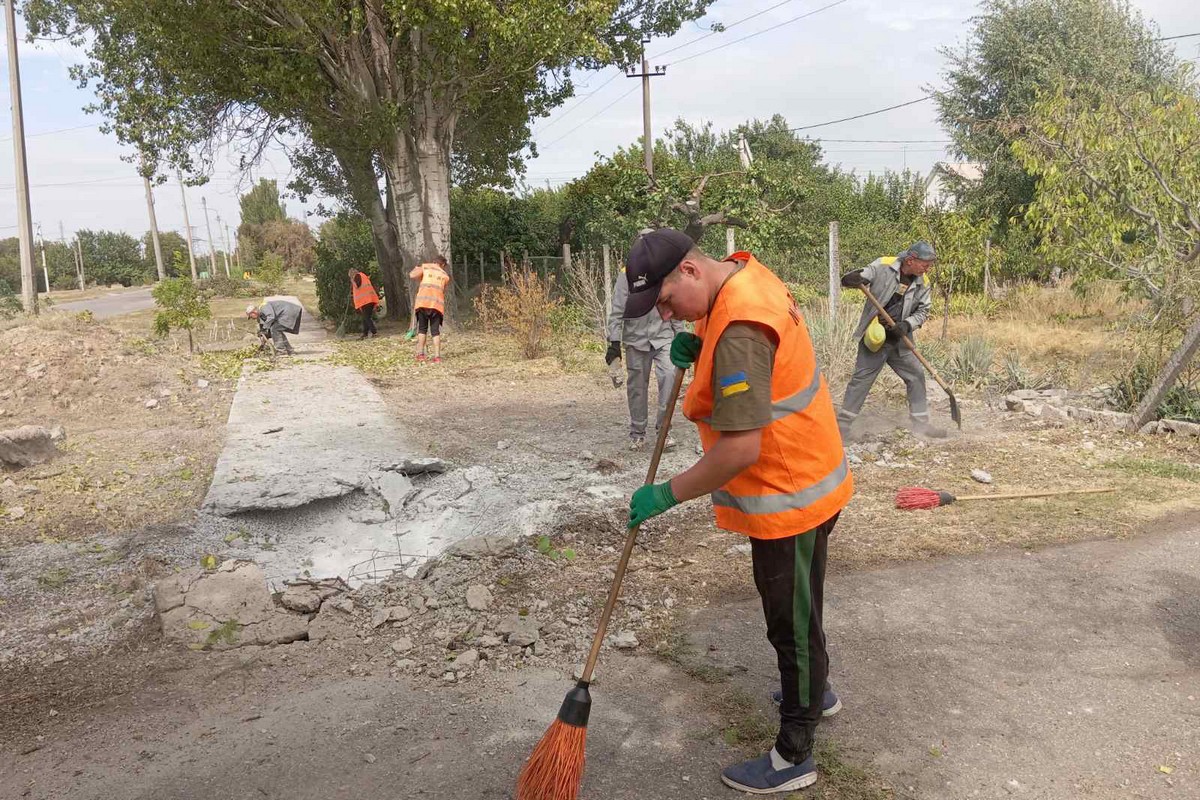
<point>111,305</point>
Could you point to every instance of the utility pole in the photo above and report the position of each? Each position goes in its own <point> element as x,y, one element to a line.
<point>646,75</point>
<point>158,259</point>
<point>226,245</point>
<point>79,256</point>
<point>62,237</point>
<point>45,272</point>
<point>187,224</point>
<point>212,253</point>
<point>20,167</point>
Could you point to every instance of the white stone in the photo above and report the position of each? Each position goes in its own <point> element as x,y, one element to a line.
<point>479,598</point>
<point>402,645</point>
<point>466,659</point>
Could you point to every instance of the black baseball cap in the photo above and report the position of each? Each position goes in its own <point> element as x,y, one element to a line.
<point>653,257</point>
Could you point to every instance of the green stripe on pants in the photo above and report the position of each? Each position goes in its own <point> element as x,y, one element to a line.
<point>802,615</point>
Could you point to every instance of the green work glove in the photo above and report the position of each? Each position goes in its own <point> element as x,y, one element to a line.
<point>650,501</point>
<point>685,347</point>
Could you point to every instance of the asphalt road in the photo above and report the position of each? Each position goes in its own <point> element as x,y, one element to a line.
<point>113,304</point>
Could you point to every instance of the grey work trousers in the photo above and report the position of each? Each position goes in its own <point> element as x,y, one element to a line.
<point>866,369</point>
<point>280,340</point>
<point>637,385</point>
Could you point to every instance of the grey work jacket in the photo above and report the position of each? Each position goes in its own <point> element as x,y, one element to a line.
<point>282,313</point>
<point>647,332</point>
<point>884,278</point>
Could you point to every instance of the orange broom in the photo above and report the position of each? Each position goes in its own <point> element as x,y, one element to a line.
<point>915,497</point>
<point>555,768</point>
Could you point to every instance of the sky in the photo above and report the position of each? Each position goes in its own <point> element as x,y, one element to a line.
<point>842,58</point>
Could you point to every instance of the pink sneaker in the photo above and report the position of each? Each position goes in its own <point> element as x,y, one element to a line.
<point>437,359</point>
<point>420,357</point>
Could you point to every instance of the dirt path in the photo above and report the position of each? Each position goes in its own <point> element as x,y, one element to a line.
<point>1073,672</point>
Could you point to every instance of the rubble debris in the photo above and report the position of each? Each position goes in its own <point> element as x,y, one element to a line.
<point>27,446</point>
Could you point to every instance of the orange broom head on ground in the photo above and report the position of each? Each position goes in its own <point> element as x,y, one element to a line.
<point>554,770</point>
<point>914,497</point>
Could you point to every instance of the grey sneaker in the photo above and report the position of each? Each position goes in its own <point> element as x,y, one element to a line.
<point>927,430</point>
<point>637,443</point>
<point>669,444</point>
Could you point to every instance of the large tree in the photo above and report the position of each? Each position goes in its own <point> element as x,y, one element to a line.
<point>386,87</point>
<point>1018,48</point>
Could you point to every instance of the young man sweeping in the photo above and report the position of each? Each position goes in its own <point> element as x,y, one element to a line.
<point>365,299</point>
<point>773,463</point>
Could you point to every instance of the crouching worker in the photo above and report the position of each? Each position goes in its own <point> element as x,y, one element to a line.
<point>276,318</point>
<point>773,464</point>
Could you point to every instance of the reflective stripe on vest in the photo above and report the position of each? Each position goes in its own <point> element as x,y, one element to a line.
<point>776,503</point>
<point>796,403</point>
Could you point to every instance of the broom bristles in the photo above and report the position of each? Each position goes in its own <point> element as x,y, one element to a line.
<point>915,497</point>
<point>554,770</point>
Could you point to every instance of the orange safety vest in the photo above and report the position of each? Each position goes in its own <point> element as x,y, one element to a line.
<point>364,294</point>
<point>432,291</point>
<point>801,478</point>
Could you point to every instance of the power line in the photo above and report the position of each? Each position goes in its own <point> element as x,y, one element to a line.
<point>880,141</point>
<point>861,116</point>
<point>51,133</point>
<point>726,28</point>
<point>580,102</point>
<point>759,33</point>
<point>1180,36</point>
<point>633,89</point>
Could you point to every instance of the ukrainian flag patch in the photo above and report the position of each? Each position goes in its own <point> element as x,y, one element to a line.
<point>733,384</point>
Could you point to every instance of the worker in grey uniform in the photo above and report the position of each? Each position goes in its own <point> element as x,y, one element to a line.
<point>276,318</point>
<point>647,341</point>
<point>901,286</point>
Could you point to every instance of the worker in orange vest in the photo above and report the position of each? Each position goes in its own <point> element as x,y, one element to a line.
<point>773,463</point>
<point>431,304</point>
<point>366,300</point>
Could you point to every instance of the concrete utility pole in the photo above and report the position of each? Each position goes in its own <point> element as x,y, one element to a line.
<point>20,167</point>
<point>226,251</point>
<point>835,282</point>
<point>62,237</point>
<point>187,224</point>
<point>212,252</point>
<point>79,256</point>
<point>158,259</point>
<point>646,75</point>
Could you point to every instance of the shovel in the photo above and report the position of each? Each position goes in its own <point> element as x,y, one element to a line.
<point>955,414</point>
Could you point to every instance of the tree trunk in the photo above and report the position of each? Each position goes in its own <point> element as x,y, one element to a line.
<point>364,186</point>
<point>1167,376</point>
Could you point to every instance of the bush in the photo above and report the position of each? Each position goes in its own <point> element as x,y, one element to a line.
<point>522,308</point>
<point>345,243</point>
<point>833,340</point>
<point>182,306</point>
<point>222,286</point>
<point>10,304</point>
<point>1014,375</point>
<point>1181,402</point>
<point>972,361</point>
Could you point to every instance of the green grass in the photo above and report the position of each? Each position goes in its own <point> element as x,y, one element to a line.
<point>1157,468</point>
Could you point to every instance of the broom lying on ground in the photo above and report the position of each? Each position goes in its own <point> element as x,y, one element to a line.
<point>555,768</point>
<point>914,497</point>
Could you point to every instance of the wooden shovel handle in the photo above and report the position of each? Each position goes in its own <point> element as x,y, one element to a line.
<point>631,537</point>
<point>1013,495</point>
<point>892,323</point>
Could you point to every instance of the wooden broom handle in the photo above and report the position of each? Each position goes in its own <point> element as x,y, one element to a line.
<point>631,537</point>
<point>1013,495</point>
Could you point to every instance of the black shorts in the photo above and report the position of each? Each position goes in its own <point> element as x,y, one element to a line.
<point>429,321</point>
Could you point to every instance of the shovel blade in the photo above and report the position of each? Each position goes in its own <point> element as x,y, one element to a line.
<point>955,414</point>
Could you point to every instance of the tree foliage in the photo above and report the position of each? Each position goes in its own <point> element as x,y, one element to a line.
<point>1119,192</point>
<point>1019,48</point>
<point>111,257</point>
<point>262,204</point>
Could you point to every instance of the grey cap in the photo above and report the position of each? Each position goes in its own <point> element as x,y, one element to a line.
<point>919,249</point>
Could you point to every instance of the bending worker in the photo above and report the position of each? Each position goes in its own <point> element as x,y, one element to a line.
<point>647,341</point>
<point>901,286</point>
<point>431,304</point>
<point>366,300</point>
<point>276,318</point>
<point>773,463</point>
